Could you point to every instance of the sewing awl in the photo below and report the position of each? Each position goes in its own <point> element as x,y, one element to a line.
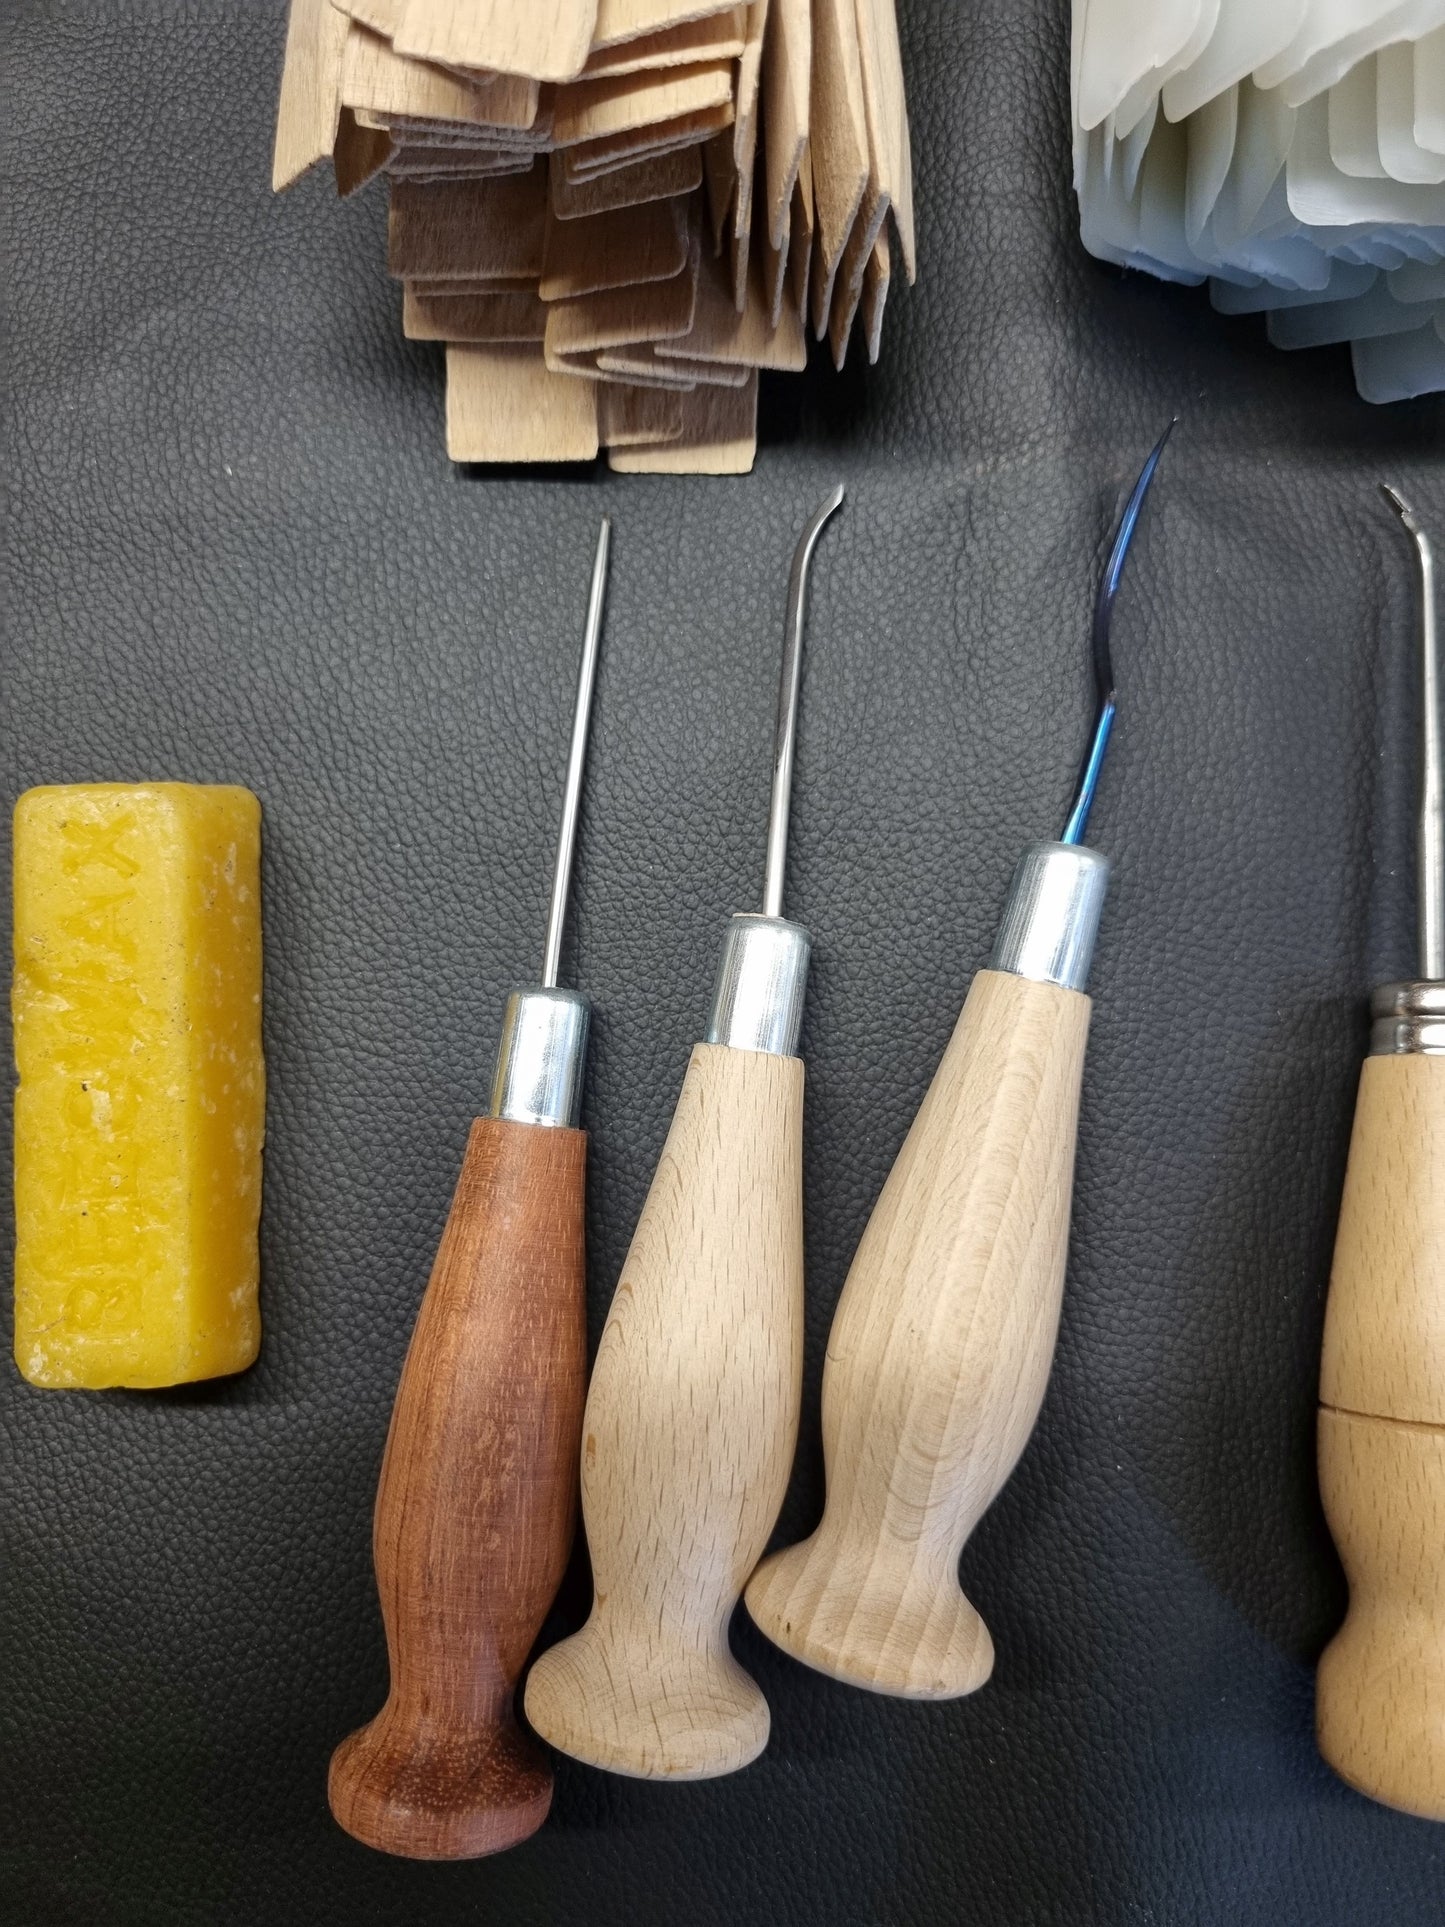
<point>692,1415</point>
<point>1380,1692</point>
<point>944,1334</point>
<point>477,1505</point>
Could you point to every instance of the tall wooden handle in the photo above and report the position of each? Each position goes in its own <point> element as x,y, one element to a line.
<point>476,1508</point>
<point>1380,1694</point>
<point>939,1354</point>
<point>688,1437</point>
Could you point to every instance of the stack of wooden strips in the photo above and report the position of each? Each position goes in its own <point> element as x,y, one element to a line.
<point>615,212</point>
<point>1292,152</point>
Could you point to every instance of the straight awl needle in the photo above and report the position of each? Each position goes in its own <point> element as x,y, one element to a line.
<point>470,1541</point>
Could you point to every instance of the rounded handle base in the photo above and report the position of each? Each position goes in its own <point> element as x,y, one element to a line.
<point>807,1602</point>
<point>1380,1691</point>
<point>458,1799</point>
<point>695,1716</point>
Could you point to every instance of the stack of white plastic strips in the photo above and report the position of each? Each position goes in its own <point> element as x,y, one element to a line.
<point>615,212</point>
<point>1290,152</point>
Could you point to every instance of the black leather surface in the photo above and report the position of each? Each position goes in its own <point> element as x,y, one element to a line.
<point>233,549</point>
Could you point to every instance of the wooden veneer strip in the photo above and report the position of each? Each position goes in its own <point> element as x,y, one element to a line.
<point>381,16</point>
<point>876,279</point>
<point>593,110</point>
<point>838,144</point>
<point>375,78</point>
<point>480,168</point>
<point>360,153</point>
<point>621,317</point>
<point>720,333</point>
<point>886,109</point>
<point>449,136</point>
<point>471,284</point>
<point>502,315</point>
<point>624,20</point>
<point>630,416</point>
<point>308,113</point>
<point>745,145</point>
<point>720,173</point>
<point>543,39</point>
<point>787,78</point>
<point>638,364</point>
<point>642,363</point>
<point>719,37</point>
<point>412,156</point>
<point>800,244</point>
<point>505,405</point>
<point>719,437</point>
<point>848,282</point>
<point>847,293</point>
<point>655,178</point>
<point>488,227</point>
<point>623,248</point>
<point>624,150</point>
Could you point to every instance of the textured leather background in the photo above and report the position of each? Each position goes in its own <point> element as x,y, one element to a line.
<point>233,549</point>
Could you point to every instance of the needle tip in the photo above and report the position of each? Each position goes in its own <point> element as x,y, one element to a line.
<point>1158,449</point>
<point>1400,506</point>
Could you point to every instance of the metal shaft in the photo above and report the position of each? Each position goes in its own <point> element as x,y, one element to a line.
<point>786,737</point>
<point>577,757</point>
<point>1432,783</point>
<point>1078,822</point>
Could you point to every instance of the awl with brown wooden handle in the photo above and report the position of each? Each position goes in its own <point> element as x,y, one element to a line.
<point>476,1508</point>
<point>944,1334</point>
<point>1380,1693</point>
<point>693,1410</point>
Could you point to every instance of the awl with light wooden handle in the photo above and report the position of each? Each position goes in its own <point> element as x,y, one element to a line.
<point>477,1505</point>
<point>1380,1693</point>
<point>692,1414</point>
<point>944,1334</point>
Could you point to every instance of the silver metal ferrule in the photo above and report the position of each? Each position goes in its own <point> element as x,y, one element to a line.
<point>541,1058</point>
<point>1409,1020</point>
<point>762,977</point>
<point>1052,915</point>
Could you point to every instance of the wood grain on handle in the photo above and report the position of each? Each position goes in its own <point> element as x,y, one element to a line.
<point>939,1354</point>
<point>688,1438</point>
<point>1384,1345</point>
<point>1380,1694</point>
<point>476,1508</point>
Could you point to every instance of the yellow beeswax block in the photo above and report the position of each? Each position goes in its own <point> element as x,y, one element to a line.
<point>141,1109</point>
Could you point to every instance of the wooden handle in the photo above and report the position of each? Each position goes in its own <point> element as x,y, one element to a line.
<point>476,1507</point>
<point>1380,1693</point>
<point>939,1354</point>
<point>688,1437</point>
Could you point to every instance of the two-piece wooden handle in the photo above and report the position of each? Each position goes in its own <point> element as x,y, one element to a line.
<point>939,1354</point>
<point>688,1437</point>
<point>1380,1694</point>
<point>476,1508</point>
